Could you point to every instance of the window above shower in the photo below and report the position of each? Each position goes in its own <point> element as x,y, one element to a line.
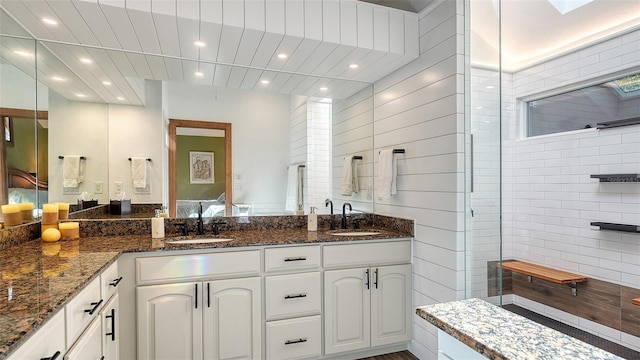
<point>585,107</point>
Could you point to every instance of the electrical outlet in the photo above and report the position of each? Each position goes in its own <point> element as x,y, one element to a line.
<point>118,186</point>
<point>143,190</point>
<point>98,187</point>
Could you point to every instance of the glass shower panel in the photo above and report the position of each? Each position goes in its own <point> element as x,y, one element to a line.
<point>483,235</point>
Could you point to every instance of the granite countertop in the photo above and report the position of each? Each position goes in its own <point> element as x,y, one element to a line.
<point>38,278</point>
<point>500,334</point>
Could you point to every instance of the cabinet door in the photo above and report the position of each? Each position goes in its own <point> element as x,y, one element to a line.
<point>391,305</point>
<point>232,319</point>
<point>347,310</point>
<point>110,329</point>
<point>89,345</point>
<point>170,321</point>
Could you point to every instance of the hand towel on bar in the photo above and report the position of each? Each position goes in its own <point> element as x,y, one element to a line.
<point>71,171</point>
<point>349,177</point>
<point>139,172</point>
<point>292,189</point>
<point>387,171</point>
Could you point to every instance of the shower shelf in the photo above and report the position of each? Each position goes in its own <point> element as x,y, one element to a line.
<point>617,227</point>
<point>617,177</point>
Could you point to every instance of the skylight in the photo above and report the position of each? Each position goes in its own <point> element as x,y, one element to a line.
<point>565,6</point>
<point>629,84</point>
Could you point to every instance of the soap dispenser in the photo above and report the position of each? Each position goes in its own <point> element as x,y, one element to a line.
<point>157,225</point>
<point>312,220</point>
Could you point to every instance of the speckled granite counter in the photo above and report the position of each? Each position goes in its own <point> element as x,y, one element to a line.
<point>37,278</point>
<point>500,334</point>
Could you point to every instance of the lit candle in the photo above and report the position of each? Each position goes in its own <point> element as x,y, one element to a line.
<point>69,230</point>
<point>26,209</point>
<point>49,214</point>
<point>11,214</point>
<point>63,211</point>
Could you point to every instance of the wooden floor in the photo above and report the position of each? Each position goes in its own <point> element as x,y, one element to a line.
<point>403,355</point>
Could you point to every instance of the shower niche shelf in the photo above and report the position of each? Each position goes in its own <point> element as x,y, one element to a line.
<point>618,178</point>
<point>617,227</point>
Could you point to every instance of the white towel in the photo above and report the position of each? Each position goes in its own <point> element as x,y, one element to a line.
<point>139,172</point>
<point>349,177</point>
<point>71,171</point>
<point>387,172</point>
<point>292,189</point>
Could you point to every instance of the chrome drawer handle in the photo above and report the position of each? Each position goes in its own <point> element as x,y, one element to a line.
<point>295,296</point>
<point>296,341</point>
<point>95,305</point>
<point>301,258</point>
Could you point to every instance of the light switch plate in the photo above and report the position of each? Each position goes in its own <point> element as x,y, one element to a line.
<point>98,187</point>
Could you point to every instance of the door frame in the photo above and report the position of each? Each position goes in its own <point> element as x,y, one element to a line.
<point>173,181</point>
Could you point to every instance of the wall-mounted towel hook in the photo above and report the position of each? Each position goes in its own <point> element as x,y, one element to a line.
<point>148,159</point>
<point>81,157</point>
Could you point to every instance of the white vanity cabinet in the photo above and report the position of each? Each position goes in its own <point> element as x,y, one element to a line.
<point>293,302</point>
<point>205,319</point>
<point>47,343</point>
<point>366,306</point>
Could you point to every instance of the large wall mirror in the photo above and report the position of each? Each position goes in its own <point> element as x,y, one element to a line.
<point>109,106</point>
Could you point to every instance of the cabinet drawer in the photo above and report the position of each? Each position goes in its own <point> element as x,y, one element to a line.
<point>45,342</point>
<point>109,281</point>
<point>89,346</point>
<point>292,258</point>
<point>294,338</point>
<point>293,295</point>
<point>367,254</point>
<point>151,270</point>
<point>83,308</point>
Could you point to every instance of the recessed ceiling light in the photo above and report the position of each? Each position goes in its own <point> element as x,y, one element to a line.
<point>23,53</point>
<point>120,98</point>
<point>353,66</point>
<point>81,95</point>
<point>198,74</point>
<point>199,43</point>
<point>86,61</point>
<point>106,83</point>
<point>282,56</point>
<point>490,87</point>
<point>49,21</point>
<point>58,78</point>
<point>324,88</point>
<point>264,82</point>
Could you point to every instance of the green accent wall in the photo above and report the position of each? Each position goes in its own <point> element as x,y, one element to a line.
<point>187,191</point>
<point>23,154</point>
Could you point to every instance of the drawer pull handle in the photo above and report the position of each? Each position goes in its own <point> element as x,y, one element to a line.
<point>375,281</point>
<point>115,282</point>
<point>301,258</point>
<point>113,325</point>
<point>196,296</point>
<point>95,307</point>
<point>295,296</point>
<point>54,357</point>
<point>296,341</point>
<point>366,273</point>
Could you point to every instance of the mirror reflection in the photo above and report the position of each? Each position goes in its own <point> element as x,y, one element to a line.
<point>279,120</point>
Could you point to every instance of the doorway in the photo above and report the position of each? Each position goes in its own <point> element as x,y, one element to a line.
<point>195,169</point>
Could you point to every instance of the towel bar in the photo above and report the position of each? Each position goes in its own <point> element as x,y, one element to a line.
<point>148,159</point>
<point>396,151</point>
<point>81,157</point>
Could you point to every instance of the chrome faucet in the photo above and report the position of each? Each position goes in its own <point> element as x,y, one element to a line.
<point>344,214</point>
<point>200,228</point>
<point>332,224</point>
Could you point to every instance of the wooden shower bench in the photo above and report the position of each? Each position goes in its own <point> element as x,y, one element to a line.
<point>545,273</point>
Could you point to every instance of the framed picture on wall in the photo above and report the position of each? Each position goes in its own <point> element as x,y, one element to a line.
<point>201,167</point>
<point>8,130</point>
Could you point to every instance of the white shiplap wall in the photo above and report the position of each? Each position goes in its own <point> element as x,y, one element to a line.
<point>550,198</point>
<point>420,108</point>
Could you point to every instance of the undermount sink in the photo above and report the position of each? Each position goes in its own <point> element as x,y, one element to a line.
<point>356,233</point>
<point>199,241</point>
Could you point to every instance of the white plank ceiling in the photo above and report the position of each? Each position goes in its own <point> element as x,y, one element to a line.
<point>154,39</point>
